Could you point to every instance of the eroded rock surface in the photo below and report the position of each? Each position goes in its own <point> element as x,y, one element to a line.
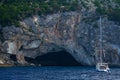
<point>70,31</point>
<point>76,32</point>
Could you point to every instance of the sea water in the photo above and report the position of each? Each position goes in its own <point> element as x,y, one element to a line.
<point>57,73</point>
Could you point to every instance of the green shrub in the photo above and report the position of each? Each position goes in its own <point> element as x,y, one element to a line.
<point>114,15</point>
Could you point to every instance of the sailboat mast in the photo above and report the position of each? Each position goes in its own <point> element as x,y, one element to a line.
<point>101,42</point>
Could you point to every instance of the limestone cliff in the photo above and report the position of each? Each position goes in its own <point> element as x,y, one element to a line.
<point>77,32</point>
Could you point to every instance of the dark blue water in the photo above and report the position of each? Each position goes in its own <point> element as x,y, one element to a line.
<point>57,73</point>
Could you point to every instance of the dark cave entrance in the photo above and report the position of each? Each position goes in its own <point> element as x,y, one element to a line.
<point>61,58</point>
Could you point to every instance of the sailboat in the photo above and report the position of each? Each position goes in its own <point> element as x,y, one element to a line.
<point>101,65</point>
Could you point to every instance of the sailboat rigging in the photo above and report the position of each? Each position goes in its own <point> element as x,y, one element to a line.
<point>101,65</point>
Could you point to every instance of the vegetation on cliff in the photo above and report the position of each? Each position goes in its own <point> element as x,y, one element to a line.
<point>13,10</point>
<point>112,11</point>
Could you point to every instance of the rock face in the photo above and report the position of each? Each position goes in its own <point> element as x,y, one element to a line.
<point>75,32</point>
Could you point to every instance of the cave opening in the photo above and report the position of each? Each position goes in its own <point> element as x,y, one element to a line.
<point>61,58</point>
<point>13,57</point>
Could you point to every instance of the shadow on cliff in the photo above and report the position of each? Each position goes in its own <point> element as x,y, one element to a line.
<point>61,58</point>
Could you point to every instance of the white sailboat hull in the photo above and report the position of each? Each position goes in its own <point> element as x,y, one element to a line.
<point>102,67</point>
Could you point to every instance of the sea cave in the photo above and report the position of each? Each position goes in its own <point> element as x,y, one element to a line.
<point>61,58</point>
